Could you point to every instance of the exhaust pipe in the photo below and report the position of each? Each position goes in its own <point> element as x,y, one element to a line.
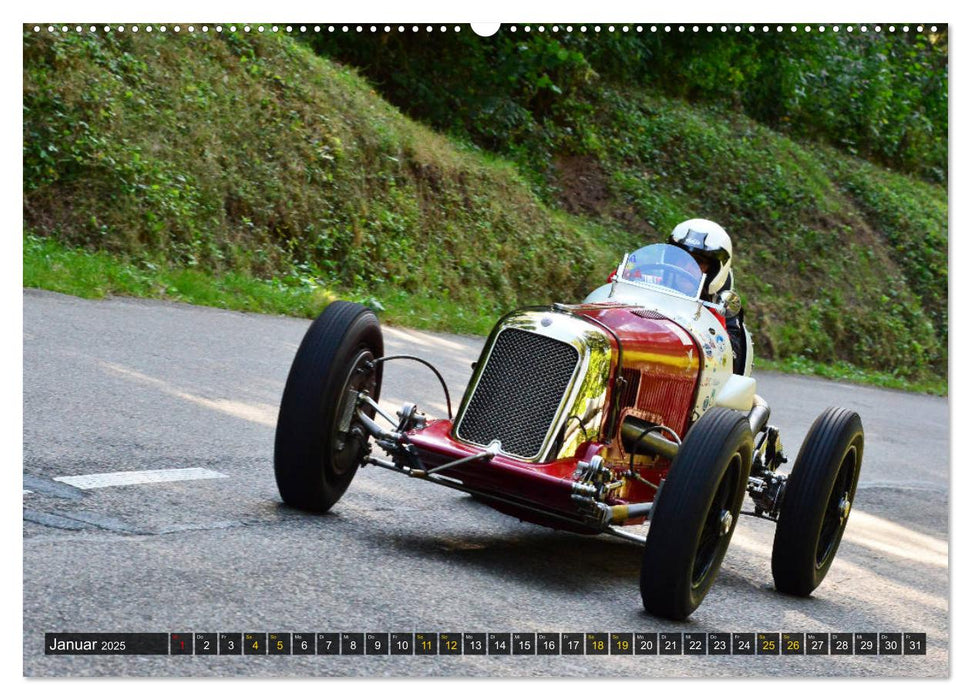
<point>642,437</point>
<point>759,415</point>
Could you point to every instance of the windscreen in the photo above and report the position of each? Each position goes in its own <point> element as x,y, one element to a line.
<point>666,266</point>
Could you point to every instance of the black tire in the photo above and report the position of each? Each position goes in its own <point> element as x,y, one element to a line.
<point>314,462</point>
<point>687,538</point>
<point>817,501</point>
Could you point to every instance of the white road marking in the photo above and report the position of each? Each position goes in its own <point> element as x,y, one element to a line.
<point>152,476</point>
<point>26,491</point>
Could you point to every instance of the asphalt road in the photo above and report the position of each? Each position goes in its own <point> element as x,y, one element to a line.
<point>128,385</point>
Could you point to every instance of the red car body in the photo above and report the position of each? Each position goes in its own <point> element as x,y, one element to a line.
<point>660,379</point>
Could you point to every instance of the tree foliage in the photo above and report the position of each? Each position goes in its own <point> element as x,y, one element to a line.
<point>882,95</point>
<point>247,152</point>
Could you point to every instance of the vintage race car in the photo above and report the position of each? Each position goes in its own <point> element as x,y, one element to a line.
<point>617,411</point>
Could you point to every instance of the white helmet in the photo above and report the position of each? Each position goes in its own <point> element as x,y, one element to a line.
<point>706,239</point>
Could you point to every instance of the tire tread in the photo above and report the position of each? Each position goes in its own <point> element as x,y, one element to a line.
<point>670,549</point>
<point>300,439</point>
<point>811,481</point>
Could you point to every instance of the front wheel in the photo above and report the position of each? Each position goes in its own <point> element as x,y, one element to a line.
<point>817,501</point>
<point>319,441</point>
<point>695,514</point>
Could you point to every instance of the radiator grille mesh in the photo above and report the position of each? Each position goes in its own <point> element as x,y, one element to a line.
<point>519,390</point>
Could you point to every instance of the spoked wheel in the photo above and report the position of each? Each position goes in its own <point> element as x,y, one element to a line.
<point>817,501</point>
<point>695,514</point>
<point>320,442</point>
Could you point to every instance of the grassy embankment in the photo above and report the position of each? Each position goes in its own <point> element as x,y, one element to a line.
<point>246,172</point>
<point>249,158</point>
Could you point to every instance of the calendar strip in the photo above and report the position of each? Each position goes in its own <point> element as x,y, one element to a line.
<point>757,644</point>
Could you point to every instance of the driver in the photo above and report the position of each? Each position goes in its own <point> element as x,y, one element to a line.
<point>711,247</point>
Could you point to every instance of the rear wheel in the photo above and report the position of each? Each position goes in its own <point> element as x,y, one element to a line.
<point>319,441</point>
<point>817,501</point>
<point>695,514</point>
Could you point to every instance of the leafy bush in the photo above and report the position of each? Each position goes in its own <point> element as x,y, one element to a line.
<point>248,154</point>
<point>835,258</point>
<point>879,95</point>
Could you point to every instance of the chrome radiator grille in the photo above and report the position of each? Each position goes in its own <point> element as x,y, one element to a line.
<point>518,392</point>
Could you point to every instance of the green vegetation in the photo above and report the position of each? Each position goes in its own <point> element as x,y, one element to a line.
<point>881,95</point>
<point>251,154</point>
<point>794,226</point>
<point>878,95</point>
<point>49,264</point>
<point>245,171</point>
<point>844,371</point>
